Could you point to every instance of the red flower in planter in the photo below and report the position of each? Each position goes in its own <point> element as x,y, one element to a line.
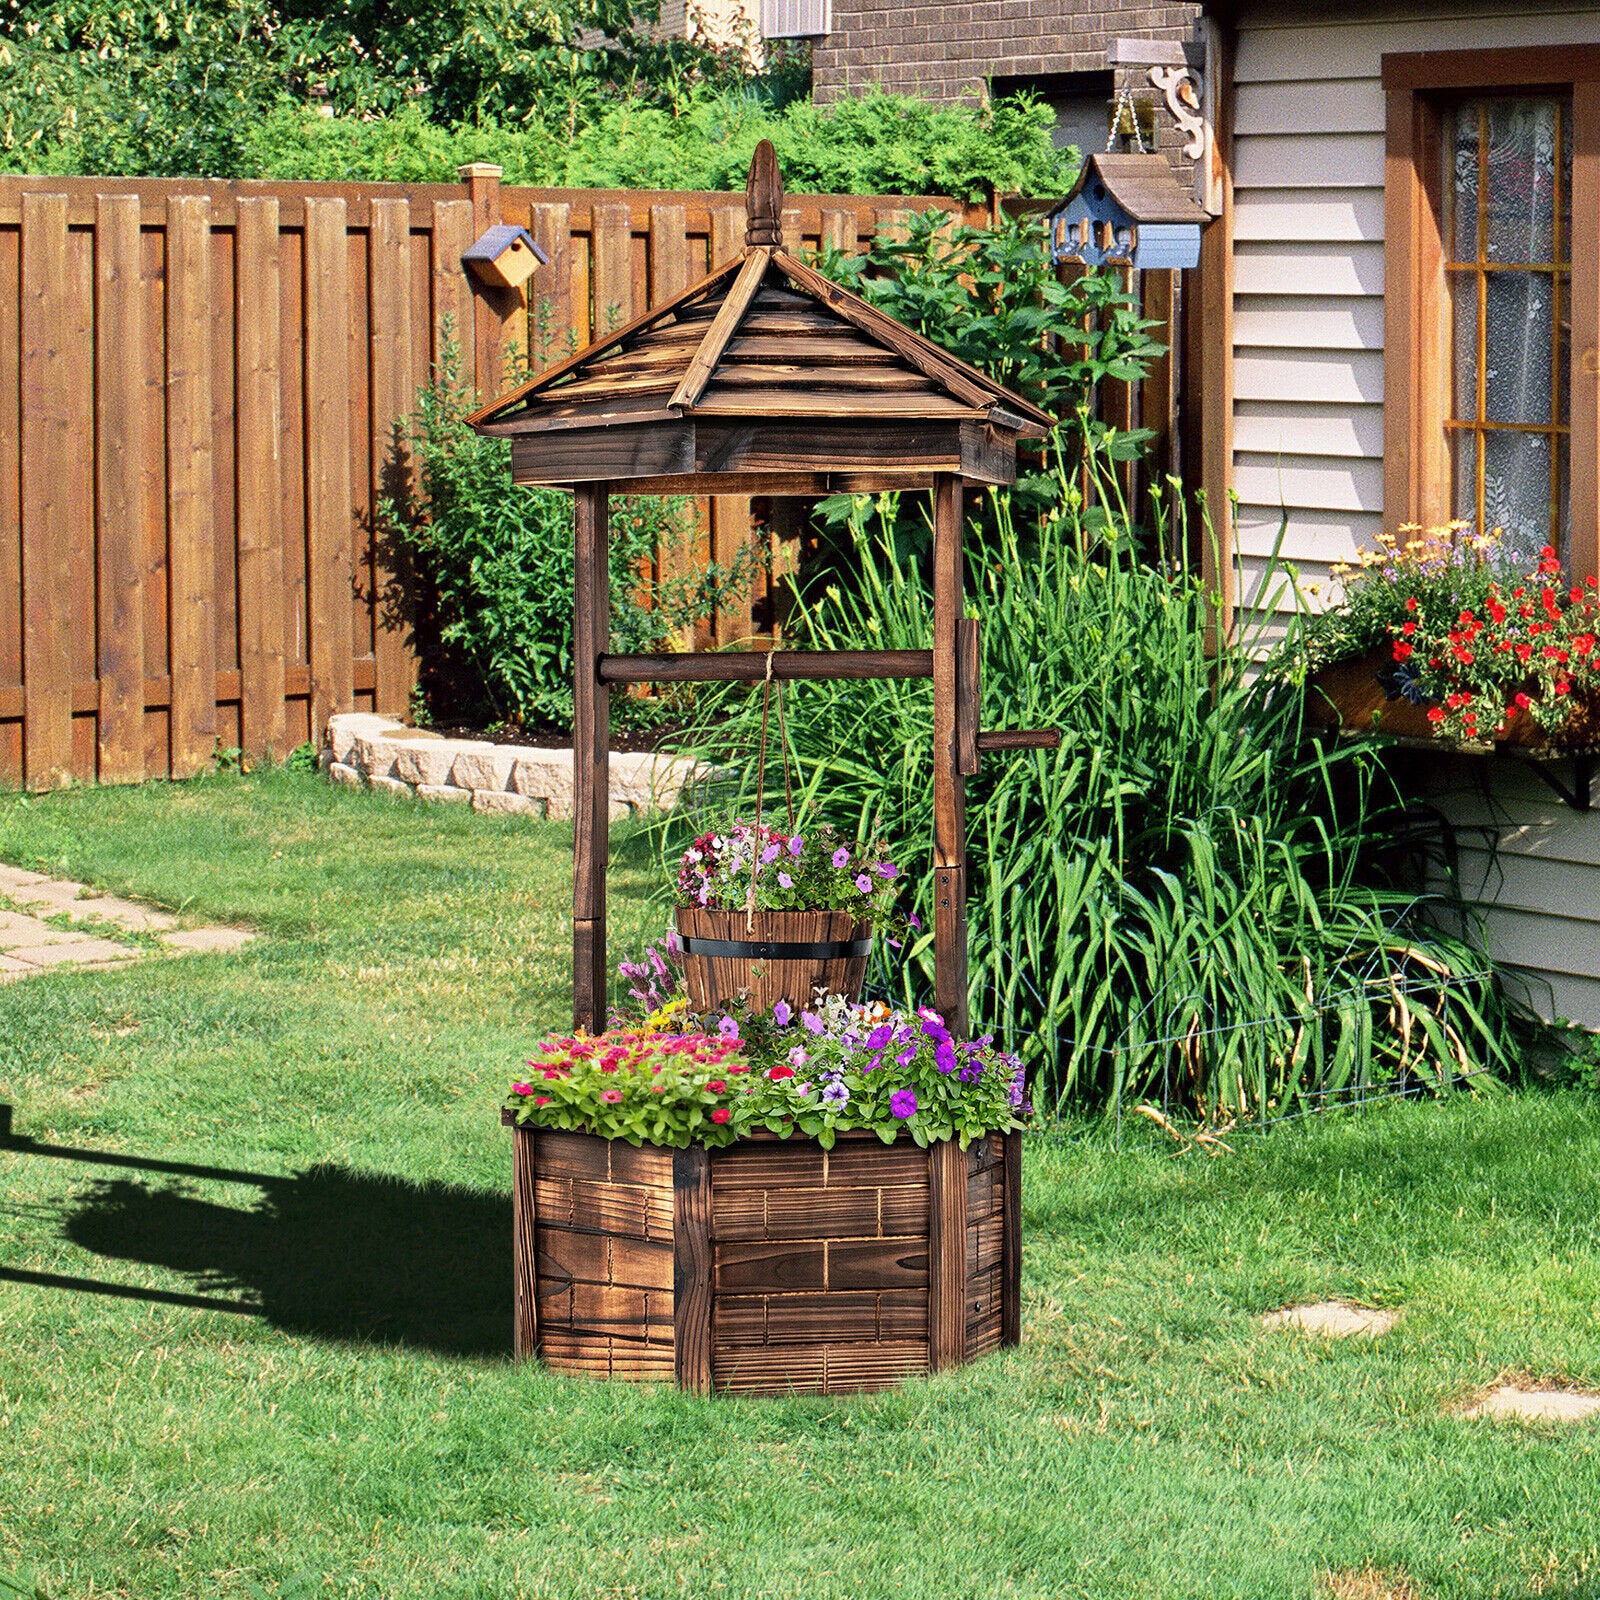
<point>776,1073</point>
<point>1402,651</point>
<point>1436,714</point>
<point>720,1114</point>
<point>717,1086</point>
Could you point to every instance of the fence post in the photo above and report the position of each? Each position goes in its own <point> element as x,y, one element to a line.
<point>492,308</point>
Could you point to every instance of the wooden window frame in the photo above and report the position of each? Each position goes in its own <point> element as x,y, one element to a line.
<point>1420,87</point>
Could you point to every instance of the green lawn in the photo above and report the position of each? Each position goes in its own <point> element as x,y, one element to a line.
<point>313,1397</point>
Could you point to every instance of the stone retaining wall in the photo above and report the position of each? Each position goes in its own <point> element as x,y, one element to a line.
<point>510,779</point>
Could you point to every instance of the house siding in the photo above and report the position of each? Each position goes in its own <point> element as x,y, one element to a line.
<point>1308,163</point>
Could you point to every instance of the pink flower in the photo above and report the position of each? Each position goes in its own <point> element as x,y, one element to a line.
<point>611,1096</point>
<point>841,857</point>
<point>863,883</point>
<point>541,1100</point>
<point>522,1088</point>
<point>717,1086</point>
<point>720,1114</point>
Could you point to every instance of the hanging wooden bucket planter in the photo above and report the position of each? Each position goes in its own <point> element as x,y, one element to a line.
<point>771,1266</point>
<point>777,955</point>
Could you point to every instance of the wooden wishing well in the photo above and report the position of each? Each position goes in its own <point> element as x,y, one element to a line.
<point>765,379</point>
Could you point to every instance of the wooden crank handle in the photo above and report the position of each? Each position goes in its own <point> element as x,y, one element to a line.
<point>1021,739</point>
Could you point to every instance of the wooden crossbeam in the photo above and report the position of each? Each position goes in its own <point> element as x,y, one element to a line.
<point>750,666</point>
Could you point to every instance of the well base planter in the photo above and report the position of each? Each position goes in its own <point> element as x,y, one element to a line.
<point>767,1267</point>
<point>773,956</point>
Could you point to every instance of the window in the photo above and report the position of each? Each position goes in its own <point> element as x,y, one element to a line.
<point>1508,204</point>
<point>1492,302</point>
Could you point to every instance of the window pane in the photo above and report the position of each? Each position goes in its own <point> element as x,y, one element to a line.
<point>1520,346</point>
<point>1523,163</point>
<point>1464,449</point>
<point>1465,287</point>
<point>1516,486</point>
<point>1464,230</point>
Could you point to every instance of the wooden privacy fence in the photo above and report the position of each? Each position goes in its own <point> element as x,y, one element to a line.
<point>203,388</point>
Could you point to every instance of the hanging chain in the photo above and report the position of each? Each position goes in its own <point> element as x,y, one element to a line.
<point>1126,107</point>
<point>761,781</point>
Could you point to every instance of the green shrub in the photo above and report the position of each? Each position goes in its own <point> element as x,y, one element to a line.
<point>493,565</point>
<point>1185,901</point>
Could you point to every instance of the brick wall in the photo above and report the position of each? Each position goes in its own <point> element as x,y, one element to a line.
<point>947,49</point>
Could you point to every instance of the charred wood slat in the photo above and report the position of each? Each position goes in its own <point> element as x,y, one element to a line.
<point>750,666</point>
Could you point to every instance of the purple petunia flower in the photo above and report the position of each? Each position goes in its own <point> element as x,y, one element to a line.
<point>903,1104</point>
<point>785,881</point>
<point>873,1064</point>
<point>886,869</point>
<point>769,855</point>
<point>728,1028</point>
<point>944,1056</point>
<point>811,1022</point>
<point>836,1095</point>
<point>914,920</point>
<point>863,883</point>
<point>797,1056</point>
<point>782,1014</point>
<point>841,857</point>
<point>880,1036</point>
<point>906,1055</point>
<point>796,845</point>
<point>971,1072</point>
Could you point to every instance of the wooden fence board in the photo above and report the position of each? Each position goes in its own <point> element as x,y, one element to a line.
<point>452,297</point>
<point>393,398</point>
<point>328,497</point>
<point>612,273</point>
<point>119,398</point>
<point>551,319</point>
<point>190,558</point>
<point>263,725</point>
<point>46,439</point>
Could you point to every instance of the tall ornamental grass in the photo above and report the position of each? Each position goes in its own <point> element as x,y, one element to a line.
<point>1189,901</point>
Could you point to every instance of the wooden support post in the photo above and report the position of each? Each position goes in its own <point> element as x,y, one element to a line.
<point>591,750</point>
<point>947,1255</point>
<point>691,1268</point>
<point>1011,1244</point>
<point>525,1265</point>
<point>949,787</point>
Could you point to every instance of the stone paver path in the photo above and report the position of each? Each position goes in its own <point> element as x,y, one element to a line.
<point>29,944</point>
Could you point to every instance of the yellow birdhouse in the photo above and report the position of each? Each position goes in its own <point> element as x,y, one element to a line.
<point>504,257</point>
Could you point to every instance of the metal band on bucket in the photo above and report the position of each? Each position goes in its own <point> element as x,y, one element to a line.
<point>769,950</point>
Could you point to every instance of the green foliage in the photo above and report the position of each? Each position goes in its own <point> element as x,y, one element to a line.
<point>222,88</point>
<point>495,564</point>
<point>1185,900</point>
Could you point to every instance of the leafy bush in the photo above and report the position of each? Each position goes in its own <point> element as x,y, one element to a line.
<point>877,144</point>
<point>495,563</point>
<point>1186,900</point>
<point>992,296</point>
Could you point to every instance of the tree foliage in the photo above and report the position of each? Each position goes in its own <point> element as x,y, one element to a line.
<point>225,88</point>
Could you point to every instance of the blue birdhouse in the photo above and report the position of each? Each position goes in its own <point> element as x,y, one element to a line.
<point>1127,211</point>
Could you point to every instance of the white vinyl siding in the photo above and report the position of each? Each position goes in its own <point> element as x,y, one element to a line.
<point>1308,160</point>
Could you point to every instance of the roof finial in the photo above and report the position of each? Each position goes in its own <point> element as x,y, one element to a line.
<point>763,198</point>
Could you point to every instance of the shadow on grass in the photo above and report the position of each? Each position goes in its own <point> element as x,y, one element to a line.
<point>330,1253</point>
